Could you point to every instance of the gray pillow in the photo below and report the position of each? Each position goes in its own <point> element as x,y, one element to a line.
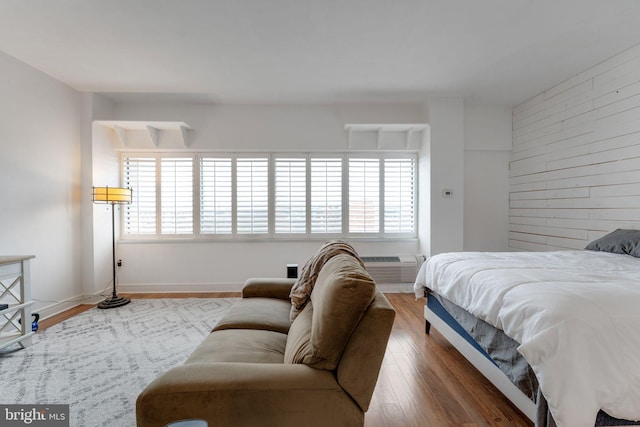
<point>618,242</point>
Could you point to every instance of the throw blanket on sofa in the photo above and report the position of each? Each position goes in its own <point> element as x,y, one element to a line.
<point>301,290</point>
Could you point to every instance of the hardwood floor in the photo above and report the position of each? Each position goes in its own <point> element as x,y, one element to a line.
<point>424,381</point>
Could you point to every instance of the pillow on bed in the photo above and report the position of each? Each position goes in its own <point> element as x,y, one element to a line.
<point>618,242</point>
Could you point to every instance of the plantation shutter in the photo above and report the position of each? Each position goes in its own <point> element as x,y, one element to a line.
<point>364,195</point>
<point>291,195</point>
<point>176,199</point>
<point>216,208</point>
<point>140,214</point>
<point>399,195</point>
<point>326,195</point>
<point>252,203</point>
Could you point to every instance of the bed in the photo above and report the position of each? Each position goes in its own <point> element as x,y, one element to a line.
<point>557,332</point>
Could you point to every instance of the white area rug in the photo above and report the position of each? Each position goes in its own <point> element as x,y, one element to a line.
<point>99,361</point>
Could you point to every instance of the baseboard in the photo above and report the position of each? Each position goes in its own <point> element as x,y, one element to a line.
<point>396,288</point>
<point>58,307</point>
<point>145,288</point>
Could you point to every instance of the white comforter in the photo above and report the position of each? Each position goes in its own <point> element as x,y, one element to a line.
<point>576,315</point>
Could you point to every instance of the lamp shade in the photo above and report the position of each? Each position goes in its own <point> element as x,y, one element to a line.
<point>111,195</point>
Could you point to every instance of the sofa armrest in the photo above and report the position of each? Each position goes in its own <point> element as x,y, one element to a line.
<point>268,288</point>
<point>246,394</point>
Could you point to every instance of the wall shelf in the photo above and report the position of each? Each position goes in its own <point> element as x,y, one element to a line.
<point>153,129</point>
<point>388,136</point>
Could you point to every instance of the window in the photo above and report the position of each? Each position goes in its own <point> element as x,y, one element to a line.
<point>364,195</point>
<point>291,195</point>
<point>172,211</point>
<point>399,195</point>
<point>176,195</point>
<point>216,196</point>
<point>270,195</point>
<point>326,196</point>
<point>140,215</point>
<point>252,196</point>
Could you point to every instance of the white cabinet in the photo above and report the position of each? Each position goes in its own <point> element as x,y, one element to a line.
<point>15,290</point>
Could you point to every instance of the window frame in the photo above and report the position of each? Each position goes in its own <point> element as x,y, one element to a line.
<point>218,236</point>
<point>194,196</point>
<point>400,235</point>
<point>271,185</point>
<point>347,205</point>
<point>138,236</point>
<point>252,155</point>
<point>343,195</point>
<point>273,234</point>
<point>158,235</point>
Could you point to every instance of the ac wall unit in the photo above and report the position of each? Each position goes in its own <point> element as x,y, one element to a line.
<point>393,269</point>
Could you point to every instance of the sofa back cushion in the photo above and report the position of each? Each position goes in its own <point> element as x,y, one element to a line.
<point>302,288</point>
<point>362,357</point>
<point>343,291</point>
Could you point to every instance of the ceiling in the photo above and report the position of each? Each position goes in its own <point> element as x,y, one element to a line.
<point>317,51</point>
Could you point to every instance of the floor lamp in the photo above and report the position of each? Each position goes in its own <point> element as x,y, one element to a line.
<point>113,196</point>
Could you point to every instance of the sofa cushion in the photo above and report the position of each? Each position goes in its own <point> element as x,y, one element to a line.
<point>298,349</point>
<point>241,345</point>
<point>268,288</point>
<point>362,357</point>
<point>341,295</point>
<point>301,290</point>
<point>269,314</point>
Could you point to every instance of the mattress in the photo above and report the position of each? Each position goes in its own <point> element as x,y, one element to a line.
<point>574,313</point>
<point>490,341</point>
<point>502,352</point>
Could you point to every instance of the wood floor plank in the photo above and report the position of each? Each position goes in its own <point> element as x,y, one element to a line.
<point>423,381</point>
<point>61,317</point>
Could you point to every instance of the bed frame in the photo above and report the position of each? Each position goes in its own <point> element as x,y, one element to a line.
<point>437,316</point>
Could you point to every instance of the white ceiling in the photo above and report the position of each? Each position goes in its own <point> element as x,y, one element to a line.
<point>317,51</point>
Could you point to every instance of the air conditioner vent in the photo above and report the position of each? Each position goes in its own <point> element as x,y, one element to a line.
<point>367,259</point>
<point>393,269</point>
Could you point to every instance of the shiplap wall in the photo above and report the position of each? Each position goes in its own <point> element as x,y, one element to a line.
<point>575,165</point>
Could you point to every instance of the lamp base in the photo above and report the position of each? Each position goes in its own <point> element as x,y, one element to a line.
<point>113,302</point>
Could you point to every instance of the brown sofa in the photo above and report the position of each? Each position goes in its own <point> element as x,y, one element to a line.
<point>256,368</point>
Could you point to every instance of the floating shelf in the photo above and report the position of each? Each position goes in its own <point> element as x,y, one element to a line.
<point>391,136</point>
<point>153,128</point>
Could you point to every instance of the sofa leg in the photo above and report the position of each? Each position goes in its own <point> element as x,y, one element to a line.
<point>427,327</point>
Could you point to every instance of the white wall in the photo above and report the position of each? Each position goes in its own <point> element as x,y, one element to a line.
<point>40,180</point>
<point>105,170</point>
<point>100,166</point>
<point>487,149</point>
<point>262,127</point>
<point>467,151</point>
<point>446,152</point>
<point>424,195</point>
<point>222,265</point>
<point>575,168</point>
<point>481,135</point>
<point>52,155</point>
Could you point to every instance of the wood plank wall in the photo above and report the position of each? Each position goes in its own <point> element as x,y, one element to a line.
<point>575,166</point>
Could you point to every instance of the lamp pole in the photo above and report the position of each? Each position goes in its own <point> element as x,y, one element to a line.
<point>112,196</point>
<point>113,247</point>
